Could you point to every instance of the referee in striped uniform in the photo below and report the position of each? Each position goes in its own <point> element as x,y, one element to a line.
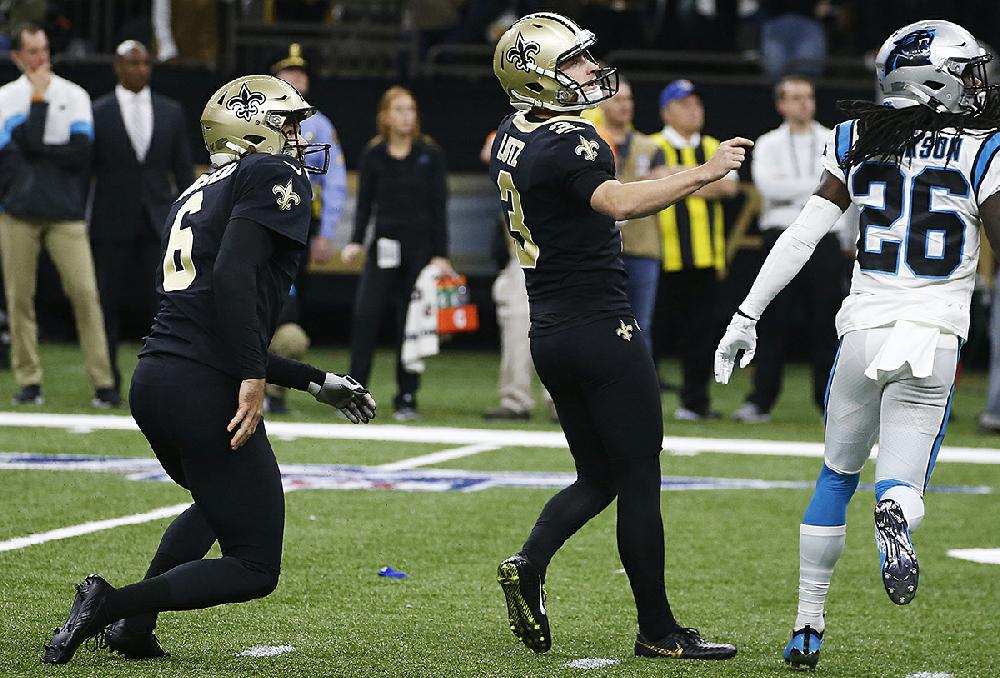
<point>693,239</point>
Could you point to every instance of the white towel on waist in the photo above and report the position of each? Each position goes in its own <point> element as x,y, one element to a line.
<point>908,342</point>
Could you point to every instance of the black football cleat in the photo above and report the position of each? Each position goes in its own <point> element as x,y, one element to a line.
<point>525,593</point>
<point>898,559</point>
<point>683,644</point>
<point>83,622</point>
<point>133,644</point>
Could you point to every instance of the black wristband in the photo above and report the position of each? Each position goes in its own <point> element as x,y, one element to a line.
<point>292,373</point>
<point>740,312</point>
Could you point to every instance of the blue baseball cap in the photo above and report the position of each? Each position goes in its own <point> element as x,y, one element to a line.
<point>678,89</point>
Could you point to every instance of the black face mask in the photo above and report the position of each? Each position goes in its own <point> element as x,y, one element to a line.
<point>978,91</point>
<point>301,151</point>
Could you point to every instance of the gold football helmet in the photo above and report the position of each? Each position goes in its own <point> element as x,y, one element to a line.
<point>528,58</point>
<point>249,114</point>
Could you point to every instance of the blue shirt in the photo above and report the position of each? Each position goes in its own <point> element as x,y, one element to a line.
<point>330,188</point>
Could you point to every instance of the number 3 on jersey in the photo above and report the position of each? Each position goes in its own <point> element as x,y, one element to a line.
<point>934,238</point>
<point>527,250</point>
<point>178,266</point>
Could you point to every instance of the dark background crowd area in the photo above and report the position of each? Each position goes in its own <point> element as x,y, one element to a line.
<point>441,50</point>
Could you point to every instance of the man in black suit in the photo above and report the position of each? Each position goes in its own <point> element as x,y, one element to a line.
<point>142,160</point>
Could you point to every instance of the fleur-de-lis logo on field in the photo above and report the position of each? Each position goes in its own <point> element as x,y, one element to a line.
<point>521,55</point>
<point>247,103</point>
<point>287,198</point>
<point>587,148</point>
<point>625,331</point>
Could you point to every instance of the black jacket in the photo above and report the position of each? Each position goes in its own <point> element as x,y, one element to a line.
<point>43,181</point>
<point>132,199</point>
<point>408,197</point>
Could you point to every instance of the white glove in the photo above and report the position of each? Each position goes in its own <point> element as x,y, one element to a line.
<point>741,335</point>
<point>345,393</point>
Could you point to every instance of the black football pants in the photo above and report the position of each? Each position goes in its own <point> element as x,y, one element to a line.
<point>816,294</point>
<point>607,396</point>
<point>183,409</point>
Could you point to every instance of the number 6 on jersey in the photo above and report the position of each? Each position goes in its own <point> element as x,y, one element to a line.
<point>178,266</point>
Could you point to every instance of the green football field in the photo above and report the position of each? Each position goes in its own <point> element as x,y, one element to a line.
<point>447,519</point>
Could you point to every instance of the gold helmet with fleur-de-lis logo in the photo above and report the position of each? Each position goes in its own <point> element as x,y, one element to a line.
<point>529,57</point>
<point>248,114</point>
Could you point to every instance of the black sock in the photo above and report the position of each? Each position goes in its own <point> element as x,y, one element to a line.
<point>146,596</point>
<point>640,543</point>
<point>186,539</point>
<point>193,586</point>
<point>567,512</point>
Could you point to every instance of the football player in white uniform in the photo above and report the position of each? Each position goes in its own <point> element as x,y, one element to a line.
<point>923,171</point>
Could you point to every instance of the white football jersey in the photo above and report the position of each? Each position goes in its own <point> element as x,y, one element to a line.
<point>918,240</point>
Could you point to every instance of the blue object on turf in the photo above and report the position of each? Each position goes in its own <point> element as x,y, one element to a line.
<point>391,573</point>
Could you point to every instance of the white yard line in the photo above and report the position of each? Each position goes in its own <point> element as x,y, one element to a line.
<point>437,457</point>
<point>170,511</point>
<point>984,556</point>
<point>473,436</point>
<point>88,528</point>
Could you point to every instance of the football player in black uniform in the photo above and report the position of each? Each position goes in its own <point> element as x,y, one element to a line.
<point>556,178</point>
<point>232,243</point>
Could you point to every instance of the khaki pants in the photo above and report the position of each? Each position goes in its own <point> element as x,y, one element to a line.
<point>289,341</point>
<point>516,368</point>
<point>21,242</point>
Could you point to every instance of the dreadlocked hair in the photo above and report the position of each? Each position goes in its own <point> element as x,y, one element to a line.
<point>885,133</point>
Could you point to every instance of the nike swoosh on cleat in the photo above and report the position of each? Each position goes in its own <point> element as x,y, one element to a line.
<point>676,652</point>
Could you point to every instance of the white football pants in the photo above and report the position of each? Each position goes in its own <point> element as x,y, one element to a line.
<point>906,414</point>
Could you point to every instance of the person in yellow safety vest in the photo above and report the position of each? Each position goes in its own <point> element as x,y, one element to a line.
<point>692,234</point>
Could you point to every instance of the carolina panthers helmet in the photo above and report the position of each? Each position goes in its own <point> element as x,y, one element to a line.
<point>528,59</point>
<point>936,64</point>
<point>247,115</point>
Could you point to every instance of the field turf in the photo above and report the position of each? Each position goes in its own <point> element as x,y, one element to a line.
<point>731,554</point>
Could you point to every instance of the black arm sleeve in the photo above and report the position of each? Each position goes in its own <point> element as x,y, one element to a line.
<point>366,194</point>
<point>291,373</point>
<point>246,246</point>
<point>439,205</point>
<point>29,139</point>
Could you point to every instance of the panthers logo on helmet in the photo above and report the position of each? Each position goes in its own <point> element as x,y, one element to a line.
<point>247,103</point>
<point>913,49</point>
<point>521,55</point>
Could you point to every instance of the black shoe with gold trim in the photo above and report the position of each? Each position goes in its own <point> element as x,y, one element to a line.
<point>525,593</point>
<point>683,644</point>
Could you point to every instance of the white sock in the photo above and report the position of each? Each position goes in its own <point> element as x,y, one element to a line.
<point>910,502</point>
<point>819,550</point>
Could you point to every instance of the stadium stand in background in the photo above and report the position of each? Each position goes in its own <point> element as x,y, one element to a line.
<point>441,50</point>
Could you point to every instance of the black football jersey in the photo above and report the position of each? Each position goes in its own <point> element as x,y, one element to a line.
<point>271,190</point>
<point>546,172</point>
